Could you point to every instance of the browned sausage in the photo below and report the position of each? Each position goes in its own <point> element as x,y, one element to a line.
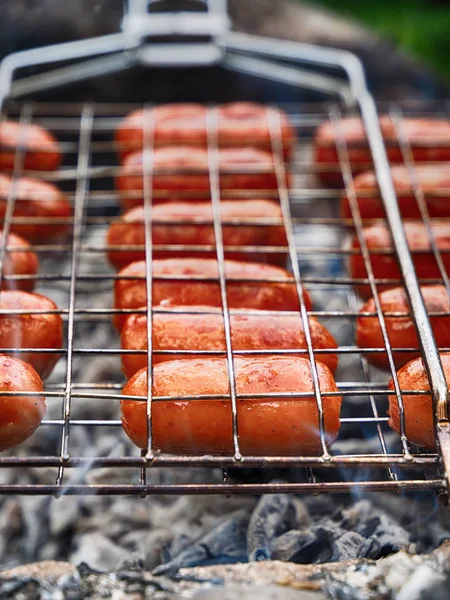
<point>183,169</point>
<point>30,330</point>
<point>429,140</point>
<point>41,149</point>
<point>37,200</point>
<point>401,331</point>
<point>419,414</point>
<point>385,265</point>
<point>433,180</point>
<point>267,425</point>
<point>170,227</point>
<point>247,285</point>
<point>178,331</point>
<point>185,124</point>
<point>18,261</point>
<point>20,416</point>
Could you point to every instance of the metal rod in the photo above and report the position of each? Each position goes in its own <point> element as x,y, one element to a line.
<point>87,118</point>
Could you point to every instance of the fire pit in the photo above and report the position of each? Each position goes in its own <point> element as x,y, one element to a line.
<point>124,513</point>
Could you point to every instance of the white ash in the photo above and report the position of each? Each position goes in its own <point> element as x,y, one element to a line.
<point>401,576</point>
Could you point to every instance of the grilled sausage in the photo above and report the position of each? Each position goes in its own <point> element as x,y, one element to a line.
<point>247,285</point>
<point>18,261</point>
<point>428,138</point>
<point>433,180</point>
<point>185,170</point>
<point>419,414</point>
<point>41,149</point>
<point>401,331</point>
<point>31,330</point>
<point>167,228</point>
<point>20,416</point>
<point>36,199</point>
<point>185,124</point>
<point>384,262</point>
<point>178,331</point>
<point>267,425</point>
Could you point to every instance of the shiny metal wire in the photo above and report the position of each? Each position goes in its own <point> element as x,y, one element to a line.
<point>87,132</point>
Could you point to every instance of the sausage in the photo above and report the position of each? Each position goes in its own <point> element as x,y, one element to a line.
<point>267,425</point>
<point>249,121</point>
<point>433,180</point>
<point>167,228</point>
<point>174,124</point>
<point>185,170</point>
<point>178,331</point>
<point>419,413</point>
<point>37,199</point>
<point>31,330</point>
<point>18,261</point>
<point>185,124</point>
<point>401,330</point>
<point>20,416</point>
<point>385,266</point>
<point>246,285</point>
<point>428,138</point>
<point>41,149</point>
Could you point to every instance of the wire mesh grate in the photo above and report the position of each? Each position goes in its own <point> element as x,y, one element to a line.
<point>76,275</point>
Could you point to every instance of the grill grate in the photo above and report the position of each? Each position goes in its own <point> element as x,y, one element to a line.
<point>317,253</point>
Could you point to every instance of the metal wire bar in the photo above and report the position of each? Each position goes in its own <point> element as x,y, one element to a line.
<point>354,207</point>
<point>19,159</point>
<point>274,122</point>
<point>213,162</point>
<point>87,117</point>
<point>103,201</point>
<point>147,175</point>
<point>236,488</point>
<point>166,460</point>
<point>373,404</point>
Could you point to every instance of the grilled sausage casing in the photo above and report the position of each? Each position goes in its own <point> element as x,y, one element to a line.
<point>428,139</point>
<point>433,181</point>
<point>178,331</point>
<point>384,262</point>
<point>182,170</point>
<point>40,147</point>
<point>30,330</point>
<point>245,282</point>
<point>36,199</point>
<point>401,330</point>
<point>267,425</point>
<point>20,416</point>
<point>18,261</point>
<point>419,413</point>
<point>186,125</point>
<point>167,230</point>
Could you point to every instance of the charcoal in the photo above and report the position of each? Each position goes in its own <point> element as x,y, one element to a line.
<point>268,520</point>
<point>348,546</point>
<point>27,586</point>
<point>290,544</point>
<point>226,544</point>
<point>383,533</point>
<point>385,537</point>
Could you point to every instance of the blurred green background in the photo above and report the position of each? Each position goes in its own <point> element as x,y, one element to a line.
<point>421,27</point>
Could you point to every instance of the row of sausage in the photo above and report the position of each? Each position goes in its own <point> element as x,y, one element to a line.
<point>272,374</point>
